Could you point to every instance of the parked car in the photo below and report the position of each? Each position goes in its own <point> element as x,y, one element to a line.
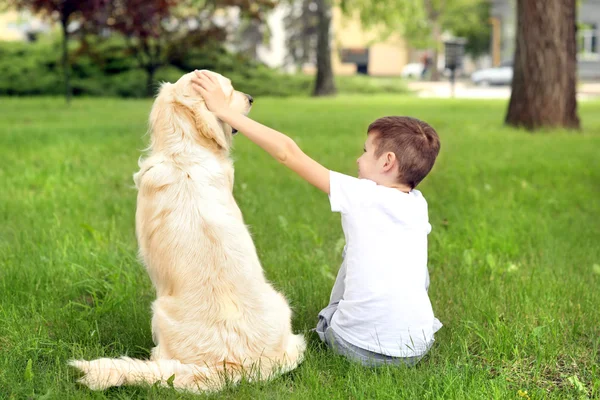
<point>501,75</point>
<point>412,70</point>
<point>415,70</point>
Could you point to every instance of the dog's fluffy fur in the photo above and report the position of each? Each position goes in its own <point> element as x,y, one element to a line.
<point>216,319</point>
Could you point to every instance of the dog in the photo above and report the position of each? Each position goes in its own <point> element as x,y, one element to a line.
<point>216,319</point>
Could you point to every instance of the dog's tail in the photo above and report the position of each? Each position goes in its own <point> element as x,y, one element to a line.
<point>106,372</point>
<point>103,373</point>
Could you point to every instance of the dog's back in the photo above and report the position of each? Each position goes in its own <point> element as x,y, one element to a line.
<point>215,313</point>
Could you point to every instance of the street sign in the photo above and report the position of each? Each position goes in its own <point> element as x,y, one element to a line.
<point>454,50</point>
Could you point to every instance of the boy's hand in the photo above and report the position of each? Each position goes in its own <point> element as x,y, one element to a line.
<point>210,89</point>
<point>278,145</point>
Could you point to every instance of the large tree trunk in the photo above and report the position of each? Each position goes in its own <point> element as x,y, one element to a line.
<point>324,85</point>
<point>65,60</point>
<point>545,66</point>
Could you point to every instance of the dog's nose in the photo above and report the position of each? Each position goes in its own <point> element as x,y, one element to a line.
<point>250,99</point>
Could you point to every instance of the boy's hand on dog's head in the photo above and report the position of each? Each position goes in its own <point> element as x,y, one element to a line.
<point>210,89</point>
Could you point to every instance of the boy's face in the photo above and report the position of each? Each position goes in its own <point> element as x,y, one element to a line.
<point>368,164</point>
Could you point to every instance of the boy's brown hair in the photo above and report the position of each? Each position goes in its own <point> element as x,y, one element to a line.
<point>414,142</point>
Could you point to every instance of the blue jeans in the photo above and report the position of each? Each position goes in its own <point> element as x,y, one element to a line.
<point>352,352</point>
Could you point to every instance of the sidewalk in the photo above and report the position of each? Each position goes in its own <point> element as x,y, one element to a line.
<point>466,90</point>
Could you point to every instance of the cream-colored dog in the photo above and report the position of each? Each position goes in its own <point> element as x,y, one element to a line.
<point>216,319</point>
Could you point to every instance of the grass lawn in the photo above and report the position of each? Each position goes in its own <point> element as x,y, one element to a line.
<point>514,254</point>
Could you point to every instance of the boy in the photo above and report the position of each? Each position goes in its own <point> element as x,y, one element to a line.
<point>379,310</point>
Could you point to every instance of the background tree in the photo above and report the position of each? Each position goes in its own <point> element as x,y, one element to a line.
<point>65,12</point>
<point>421,22</point>
<point>545,66</point>
<point>470,21</point>
<point>250,30</point>
<point>301,22</point>
<point>251,33</point>
<point>147,26</point>
<point>308,40</point>
<point>324,83</point>
<point>159,30</point>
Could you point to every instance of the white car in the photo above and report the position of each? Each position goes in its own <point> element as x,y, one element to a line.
<point>412,70</point>
<point>415,70</point>
<point>501,75</point>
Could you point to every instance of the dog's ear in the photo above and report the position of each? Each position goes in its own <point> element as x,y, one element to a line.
<point>205,122</point>
<point>209,125</point>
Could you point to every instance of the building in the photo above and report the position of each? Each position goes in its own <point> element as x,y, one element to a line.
<point>504,26</point>
<point>353,49</point>
<point>356,50</point>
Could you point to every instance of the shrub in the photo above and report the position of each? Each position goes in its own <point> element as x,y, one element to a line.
<point>105,67</point>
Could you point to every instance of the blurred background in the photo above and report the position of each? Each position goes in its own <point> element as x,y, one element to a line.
<point>124,47</point>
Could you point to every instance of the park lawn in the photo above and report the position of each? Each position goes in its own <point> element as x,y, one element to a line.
<point>514,255</point>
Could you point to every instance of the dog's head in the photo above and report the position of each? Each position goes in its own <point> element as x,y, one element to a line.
<point>179,116</point>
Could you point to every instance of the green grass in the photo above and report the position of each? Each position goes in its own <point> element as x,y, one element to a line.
<point>514,252</point>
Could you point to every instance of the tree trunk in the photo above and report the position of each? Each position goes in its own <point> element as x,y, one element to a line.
<point>150,71</point>
<point>545,66</point>
<point>65,60</point>
<point>437,38</point>
<point>305,18</point>
<point>324,85</point>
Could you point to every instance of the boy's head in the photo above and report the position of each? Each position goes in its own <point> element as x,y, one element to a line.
<point>399,151</point>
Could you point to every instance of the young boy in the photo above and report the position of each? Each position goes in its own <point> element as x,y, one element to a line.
<point>379,310</point>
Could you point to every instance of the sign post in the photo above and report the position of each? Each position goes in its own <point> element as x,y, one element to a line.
<point>454,50</point>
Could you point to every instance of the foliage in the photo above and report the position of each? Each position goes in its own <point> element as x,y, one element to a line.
<point>104,68</point>
<point>470,21</point>
<point>153,26</point>
<point>148,26</point>
<point>301,22</point>
<point>87,12</point>
<point>416,19</point>
<point>156,31</point>
<point>36,71</point>
<point>64,10</point>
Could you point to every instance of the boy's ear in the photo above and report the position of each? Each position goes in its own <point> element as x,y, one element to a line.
<point>389,161</point>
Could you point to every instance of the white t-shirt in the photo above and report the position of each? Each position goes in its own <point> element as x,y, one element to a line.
<point>382,284</point>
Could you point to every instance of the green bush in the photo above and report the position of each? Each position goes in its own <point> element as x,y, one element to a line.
<point>106,68</point>
<point>262,81</point>
<point>29,69</point>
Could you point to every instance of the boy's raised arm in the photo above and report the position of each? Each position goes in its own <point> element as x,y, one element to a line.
<point>278,145</point>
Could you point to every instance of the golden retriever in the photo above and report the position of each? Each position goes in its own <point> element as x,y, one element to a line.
<point>216,319</point>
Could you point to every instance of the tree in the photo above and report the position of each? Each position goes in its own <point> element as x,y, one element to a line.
<point>434,11</point>
<point>308,38</point>
<point>324,83</point>
<point>249,31</point>
<point>421,22</point>
<point>470,22</point>
<point>145,25</point>
<point>158,30</point>
<point>65,11</point>
<point>301,23</point>
<point>250,35</point>
<point>545,66</point>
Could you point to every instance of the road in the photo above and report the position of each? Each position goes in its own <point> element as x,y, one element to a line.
<point>466,90</point>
